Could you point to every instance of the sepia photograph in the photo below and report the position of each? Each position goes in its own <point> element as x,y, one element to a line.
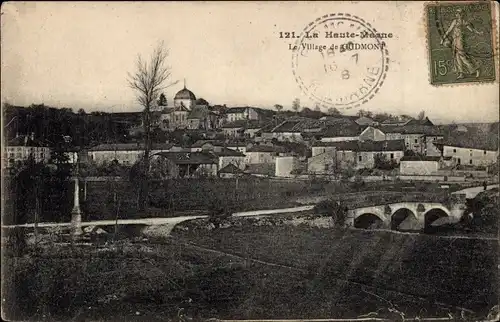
<point>250,161</point>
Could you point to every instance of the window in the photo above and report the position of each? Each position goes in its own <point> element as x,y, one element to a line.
<point>416,141</point>
<point>470,161</point>
<point>454,150</point>
<point>484,152</point>
<point>392,155</point>
<point>470,153</point>
<point>360,158</point>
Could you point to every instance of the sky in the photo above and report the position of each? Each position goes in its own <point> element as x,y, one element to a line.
<point>78,55</point>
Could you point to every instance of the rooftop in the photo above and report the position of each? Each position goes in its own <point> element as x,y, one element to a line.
<point>266,148</point>
<point>188,157</point>
<point>424,158</point>
<point>235,124</point>
<point>130,146</point>
<point>25,140</point>
<point>365,146</point>
<point>231,168</point>
<point>412,129</point>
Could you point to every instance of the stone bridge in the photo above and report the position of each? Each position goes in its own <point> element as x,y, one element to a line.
<point>406,214</point>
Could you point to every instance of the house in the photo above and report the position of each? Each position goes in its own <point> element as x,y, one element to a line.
<point>237,146</point>
<point>322,163</point>
<point>286,165</point>
<point>418,138</point>
<point>359,154</point>
<point>230,171</point>
<point>234,129</point>
<point>241,113</point>
<point>125,153</point>
<point>263,153</point>
<point>371,134</point>
<point>420,165</point>
<point>288,130</point>
<point>252,129</point>
<point>200,145</point>
<point>261,169</point>
<point>341,133</point>
<point>23,147</point>
<point>464,153</point>
<point>183,165</point>
<point>227,156</point>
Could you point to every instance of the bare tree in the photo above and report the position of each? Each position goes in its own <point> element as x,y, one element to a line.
<point>278,107</point>
<point>148,81</point>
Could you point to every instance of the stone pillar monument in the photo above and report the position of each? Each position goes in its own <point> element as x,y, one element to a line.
<point>76,213</point>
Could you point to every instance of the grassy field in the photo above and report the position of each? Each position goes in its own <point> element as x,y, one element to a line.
<point>457,272</point>
<point>172,281</point>
<point>107,199</point>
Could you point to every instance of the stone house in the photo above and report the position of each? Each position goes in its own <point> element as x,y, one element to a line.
<point>165,165</point>
<point>22,147</point>
<point>125,153</point>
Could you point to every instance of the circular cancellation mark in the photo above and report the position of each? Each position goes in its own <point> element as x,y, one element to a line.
<point>340,61</point>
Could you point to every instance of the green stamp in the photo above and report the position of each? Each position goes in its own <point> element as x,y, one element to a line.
<point>460,42</point>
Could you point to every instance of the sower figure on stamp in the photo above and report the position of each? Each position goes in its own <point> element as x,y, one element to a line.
<point>463,63</point>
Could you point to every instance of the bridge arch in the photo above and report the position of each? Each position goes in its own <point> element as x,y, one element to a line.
<point>434,214</point>
<point>368,221</point>
<point>403,215</point>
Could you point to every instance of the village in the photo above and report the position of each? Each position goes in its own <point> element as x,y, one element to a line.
<point>220,141</point>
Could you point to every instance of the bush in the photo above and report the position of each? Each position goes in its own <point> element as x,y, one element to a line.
<point>335,209</point>
<point>382,163</point>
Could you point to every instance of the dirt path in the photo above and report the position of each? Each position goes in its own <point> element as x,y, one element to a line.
<point>471,193</point>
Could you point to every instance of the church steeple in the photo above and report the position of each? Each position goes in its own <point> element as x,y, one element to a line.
<point>184,83</point>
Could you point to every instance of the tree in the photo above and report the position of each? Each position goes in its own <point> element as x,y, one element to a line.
<point>202,101</point>
<point>421,115</point>
<point>333,111</point>
<point>381,117</point>
<point>317,108</point>
<point>278,107</point>
<point>148,81</point>
<point>162,101</point>
<point>334,209</point>
<point>360,113</point>
<point>381,162</point>
<point>296,105</point>
<point>81,111</point>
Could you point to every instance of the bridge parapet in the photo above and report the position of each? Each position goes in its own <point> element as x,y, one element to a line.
<point>392,197</point>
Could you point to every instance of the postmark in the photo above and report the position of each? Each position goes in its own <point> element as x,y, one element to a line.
<point>460,41</point>
<point>339,60</point>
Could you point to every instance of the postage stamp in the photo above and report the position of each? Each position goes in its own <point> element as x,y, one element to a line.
<point>339,60</point>
<point>460,41</point>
